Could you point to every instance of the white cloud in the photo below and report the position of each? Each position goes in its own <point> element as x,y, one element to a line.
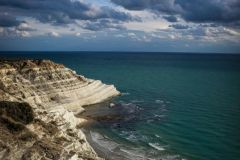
<point>78,34</point>
<point>23,26</point>
<point>53,34</point>
<point>14,32</point>
<point>231,32</point>
<point>131,34</point>
<point>146,26</point>
<point>119,36</point>
<point>24,34</point>
<point>149,22</point>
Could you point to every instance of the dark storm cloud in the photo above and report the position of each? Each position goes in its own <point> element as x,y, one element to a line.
<point>210,11</point>
<point>179,26</point>
<point>57,12</point>
<point>220,11</point>
<point>166,6</point>
<point>171,18</point>
<point>8,21</point>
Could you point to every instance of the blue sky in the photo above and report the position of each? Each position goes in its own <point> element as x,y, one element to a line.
<point>120,25</point>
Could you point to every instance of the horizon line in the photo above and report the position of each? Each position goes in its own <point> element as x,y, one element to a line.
<point>168,52</point>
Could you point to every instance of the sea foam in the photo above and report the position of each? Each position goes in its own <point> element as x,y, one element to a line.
<point>156,146</point>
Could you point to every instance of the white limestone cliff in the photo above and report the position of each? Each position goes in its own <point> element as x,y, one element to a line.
<point>54,94</point>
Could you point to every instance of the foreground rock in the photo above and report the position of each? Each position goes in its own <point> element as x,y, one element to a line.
<point>38,100</point>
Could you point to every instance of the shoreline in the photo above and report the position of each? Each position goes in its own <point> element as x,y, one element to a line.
<point>93,136</point>
<point>103,151</point>
<point>104,146</point>
<point>100,151</point>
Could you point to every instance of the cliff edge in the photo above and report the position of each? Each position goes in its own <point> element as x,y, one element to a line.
<point>38,100</point>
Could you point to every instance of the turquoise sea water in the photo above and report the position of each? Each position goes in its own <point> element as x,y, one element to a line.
<point>176,106</point>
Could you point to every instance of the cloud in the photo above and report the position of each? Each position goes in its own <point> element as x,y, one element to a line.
<point>102,24</point>
<point>8,20</point>
<point>10,26</point>
<point>57,12</point>
<point>166,6</point>
<point>13,32</point>
<point>139,20</point>
<point>77,34</point>
<point>171,18</point>
<point>25,27</point>
<point>231,32</point>
<point>209,34</point>
<point>53,34</point>
<point>119,35</point>
<point>221,11</point>
<point>210,11</point>
<point>131,34</point>
<point>179,26</point>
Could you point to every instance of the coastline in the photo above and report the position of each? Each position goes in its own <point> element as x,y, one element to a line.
<point>101,151</point>
<point>55,95</point>
<point>104,151</point>
<point>105,145</point>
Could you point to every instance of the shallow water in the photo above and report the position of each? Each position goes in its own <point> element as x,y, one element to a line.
<point>173,106</point>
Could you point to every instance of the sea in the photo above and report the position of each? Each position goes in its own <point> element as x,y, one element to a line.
<point>183,106</point>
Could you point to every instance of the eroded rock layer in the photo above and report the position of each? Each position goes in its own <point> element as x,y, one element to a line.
<point>38,100</point>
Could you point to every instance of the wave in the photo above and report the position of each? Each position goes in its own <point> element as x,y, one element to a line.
<point>133,136</point>
<point>156,135</point>
<point>103,141</point>
<point>162,101</point>
<point>117,151</point>
<point>156,146</point>
<point>159,101</point>
<point>160,116</point>
<point>125,93</point>
<point>133,154</point>
<point>114,151</point>
<point>137,101</point>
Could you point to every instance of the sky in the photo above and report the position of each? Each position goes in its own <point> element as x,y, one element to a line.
<point>211,26</point>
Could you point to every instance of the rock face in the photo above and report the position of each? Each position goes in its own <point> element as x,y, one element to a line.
<point>38,100</point>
